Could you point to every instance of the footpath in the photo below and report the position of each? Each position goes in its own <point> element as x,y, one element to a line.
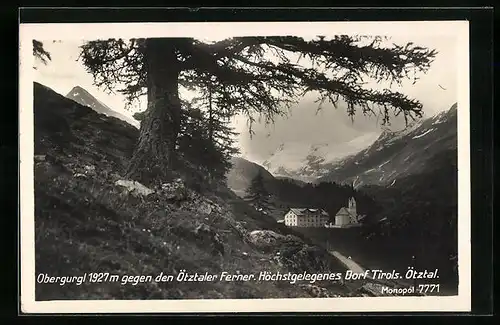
<point>371,287</point>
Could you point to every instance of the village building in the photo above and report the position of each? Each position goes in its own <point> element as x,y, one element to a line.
<point>347,216</point>
<point>306,217</point>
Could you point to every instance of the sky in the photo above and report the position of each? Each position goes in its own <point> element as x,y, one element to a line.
<point>303,125</point>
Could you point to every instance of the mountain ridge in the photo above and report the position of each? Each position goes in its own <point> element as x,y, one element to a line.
<point>306,162</point>
<point>398,153</point>
<point>241,174</point>
<point>85,98</point>
<point>326,162</point>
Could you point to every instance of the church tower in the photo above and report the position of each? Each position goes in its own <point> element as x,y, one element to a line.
<point>352,206</point>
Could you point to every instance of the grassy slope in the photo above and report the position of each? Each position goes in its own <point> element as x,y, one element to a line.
<point>84,223</point>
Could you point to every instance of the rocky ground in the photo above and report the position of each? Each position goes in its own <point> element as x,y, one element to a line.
<point>89,218</point>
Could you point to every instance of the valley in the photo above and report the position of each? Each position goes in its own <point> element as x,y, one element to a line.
<point>406,185</point>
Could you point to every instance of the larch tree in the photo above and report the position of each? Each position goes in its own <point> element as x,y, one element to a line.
<point>241,74</point>
<point>257,192</point>
<point>219,132</point>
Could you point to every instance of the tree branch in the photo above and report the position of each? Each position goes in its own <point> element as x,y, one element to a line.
<point>343,52</point>
<point>40,53</point>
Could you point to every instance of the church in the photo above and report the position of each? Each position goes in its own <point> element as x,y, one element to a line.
<point>347,216</point>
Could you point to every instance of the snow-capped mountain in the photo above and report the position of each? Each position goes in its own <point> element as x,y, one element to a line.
<point>83,97</point>
<point>307,162</point>
<point>400,153</point>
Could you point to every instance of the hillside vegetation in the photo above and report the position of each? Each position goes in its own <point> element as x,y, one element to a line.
<point>84,222</point>
<point>286,193</point>
<point>241,174</point>
<point>418,215</point>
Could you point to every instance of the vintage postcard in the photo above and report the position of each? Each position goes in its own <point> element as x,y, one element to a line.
<point>245,167</point>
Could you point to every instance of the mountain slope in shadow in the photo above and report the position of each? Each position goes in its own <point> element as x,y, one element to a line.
<point>83,97</point>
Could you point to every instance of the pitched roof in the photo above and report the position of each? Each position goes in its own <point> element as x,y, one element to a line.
<point>308,211</point>
<point>344,211</point>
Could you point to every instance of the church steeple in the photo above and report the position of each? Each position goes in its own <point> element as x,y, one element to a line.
<point>351,206</point>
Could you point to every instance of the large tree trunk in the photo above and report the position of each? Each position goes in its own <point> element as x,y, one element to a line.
<point>154,154</point>
<point>210,115</point>
<point>210,124</point>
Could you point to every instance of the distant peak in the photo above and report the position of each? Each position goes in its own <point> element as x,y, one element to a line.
<point>77,89</point>
<point>386,132</point>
